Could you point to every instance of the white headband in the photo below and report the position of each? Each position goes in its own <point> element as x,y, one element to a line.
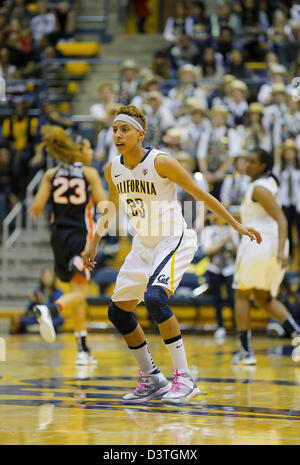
<point>130,120</point>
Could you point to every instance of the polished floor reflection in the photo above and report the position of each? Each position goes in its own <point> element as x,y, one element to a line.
<point>46,399</point>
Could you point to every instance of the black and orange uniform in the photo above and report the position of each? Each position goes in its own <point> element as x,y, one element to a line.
<point>72,219</point>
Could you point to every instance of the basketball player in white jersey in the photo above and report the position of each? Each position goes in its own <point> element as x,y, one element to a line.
<point>162,249</point>
<point>259,270</point>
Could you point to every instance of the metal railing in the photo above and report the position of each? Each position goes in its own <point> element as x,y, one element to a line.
<point>12,228</point>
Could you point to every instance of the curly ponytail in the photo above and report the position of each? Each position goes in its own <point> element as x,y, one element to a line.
<point>59,145</point>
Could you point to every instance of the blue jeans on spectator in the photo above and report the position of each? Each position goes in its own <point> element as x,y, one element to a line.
<point>215,282</point>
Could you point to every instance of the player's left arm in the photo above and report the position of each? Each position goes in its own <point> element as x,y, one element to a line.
<point>42,195</point>
<point>168,167</point>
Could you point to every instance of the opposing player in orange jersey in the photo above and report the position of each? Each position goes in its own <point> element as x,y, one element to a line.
<point>73,189</point>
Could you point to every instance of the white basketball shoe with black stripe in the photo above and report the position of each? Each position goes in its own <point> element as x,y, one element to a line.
<point>42,314</point>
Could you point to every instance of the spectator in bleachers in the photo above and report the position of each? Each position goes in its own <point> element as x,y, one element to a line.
<point>253,132</point>
<point>291,129</point>
<point>159,118</point>
<point>234,185</point>
<point>197,25</point>
<point>3,27</point>
<point>7,69</point>
<point>175,25</point>
<point>224,45</point>
<point>220,244</point>
<point>18,56</point>
<point>129,82</point>
<point>252,30</point>
<point>24,41</point>
<point>187,87</point>
<point>8,188</point>
<point>225,17</point>
<point>275,115</point>
<point>270,59</point>
<point>43,23</point>
<point>221,95</point>
<point>105,149</point>
<point>210,70</point>
<point>19,131</point>
<point>194,129</point>
<point>277,73</point>
<point>173,141</point>
<point>287,169</point>
<point>65,23</point>
<point>237,104</point>
<point>20,11</point>
<point>185,52</point>
<point>217,148</point>
<point>287,51</point>
<point>160,65</point>
<point>149,83</point>
<point>106,96</point>
<point>237,65</point>
<point>276,34</point>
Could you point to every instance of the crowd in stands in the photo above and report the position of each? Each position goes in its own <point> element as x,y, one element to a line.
<point>223,83</point>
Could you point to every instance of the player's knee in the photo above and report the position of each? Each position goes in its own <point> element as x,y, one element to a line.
<point>125,322</point>
<point>156,301</point>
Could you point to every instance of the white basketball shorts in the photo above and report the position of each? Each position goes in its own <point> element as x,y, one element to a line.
<point>162,265</point>
<point>256,265</point>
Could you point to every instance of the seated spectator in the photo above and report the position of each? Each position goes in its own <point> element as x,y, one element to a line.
<point>183,53</point>
<point>234,185</point>
<point>65,23</point>
<point>43,23</point>
<point>237,65</point>
<point>221,95</point>
<point>105,149</point>
<point>45,293</point>
<point>8,187</point>
<point>19,131</point>
<point>274,118</point>
<point>238,105</point>
<point>211,71</point>
<point>227,17</point>
<point>253,132</point>
<point>270,60</point>
<point>129,82</point>
<point>224,45</point>
<point>175,25</point>
<point>20,11</point>
<point>106,96</point>
<point>291,129</point>
<point>187,87</point>
<point>276,33</point>
<point>160,65</point>
<point>149,83</point>
<point>217,148</point>
<point>7,69</point>
<point>159,119</point>
<point>288,50</point>
<point>220,244</point>
<point>252,30</point>
<point>287,170</point>
<point>194,128</point>
<point>173,141</point>
<point>197,26</point>
<point>24,41</point>
<point>277,73</point>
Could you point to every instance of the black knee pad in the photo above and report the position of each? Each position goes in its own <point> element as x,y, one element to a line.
<point>125,322</point>
<point>156,301</point>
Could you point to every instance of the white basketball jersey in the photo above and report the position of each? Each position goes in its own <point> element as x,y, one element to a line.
<point>253,214</point>
<point>149,199</point>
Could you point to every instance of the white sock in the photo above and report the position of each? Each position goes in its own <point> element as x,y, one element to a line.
<point>177,353</point>
<point>144,359</point>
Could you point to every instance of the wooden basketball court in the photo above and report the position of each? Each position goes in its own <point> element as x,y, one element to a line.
<point>46,400</point>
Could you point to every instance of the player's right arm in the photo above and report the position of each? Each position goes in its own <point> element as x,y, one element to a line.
<point>109,212</point>
<point>42,195</point>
